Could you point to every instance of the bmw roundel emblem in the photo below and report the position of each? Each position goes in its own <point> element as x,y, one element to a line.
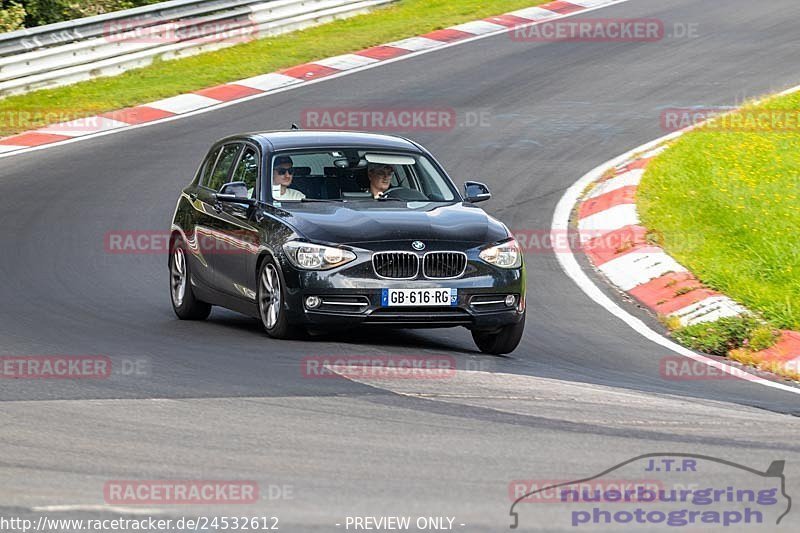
<point>418,245</point>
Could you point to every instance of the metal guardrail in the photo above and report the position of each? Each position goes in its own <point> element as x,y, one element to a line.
<point>105,45</point>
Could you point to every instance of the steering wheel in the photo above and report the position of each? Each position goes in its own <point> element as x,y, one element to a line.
<point>386,193</point>
<point>405,194</point>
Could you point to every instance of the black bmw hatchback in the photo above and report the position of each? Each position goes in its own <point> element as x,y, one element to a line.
<point>321,230</point>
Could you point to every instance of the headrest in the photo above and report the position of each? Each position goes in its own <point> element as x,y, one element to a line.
<point>302,171</point>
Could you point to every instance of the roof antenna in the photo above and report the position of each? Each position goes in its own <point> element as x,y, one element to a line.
<point>295,126</point>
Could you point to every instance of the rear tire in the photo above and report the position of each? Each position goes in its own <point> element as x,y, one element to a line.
<point>184,302</point>
<point>502,341</point>
<point>271,301</point>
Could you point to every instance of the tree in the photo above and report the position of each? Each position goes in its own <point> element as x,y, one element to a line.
<point>12,16</point>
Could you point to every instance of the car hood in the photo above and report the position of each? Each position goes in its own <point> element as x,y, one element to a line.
<point>360,222</point>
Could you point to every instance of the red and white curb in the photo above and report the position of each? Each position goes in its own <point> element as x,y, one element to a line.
<point>276,81</point>
<point>627,254</point>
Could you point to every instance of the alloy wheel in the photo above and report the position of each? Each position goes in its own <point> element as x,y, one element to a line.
<point>270,298</point>
<point>178,272</point>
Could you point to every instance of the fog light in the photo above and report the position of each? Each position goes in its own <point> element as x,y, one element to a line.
<point>312,302</point>
<point>511,300</point>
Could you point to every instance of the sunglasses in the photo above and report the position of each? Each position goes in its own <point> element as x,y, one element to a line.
<point>281,170</point>
<point>383,172</point>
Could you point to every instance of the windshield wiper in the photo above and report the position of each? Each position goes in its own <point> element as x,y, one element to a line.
<point>317,200</point>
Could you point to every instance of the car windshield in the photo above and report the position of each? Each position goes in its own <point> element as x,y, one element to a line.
<point>357,175</point>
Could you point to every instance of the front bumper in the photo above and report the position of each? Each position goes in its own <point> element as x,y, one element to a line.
<point>352,296</point>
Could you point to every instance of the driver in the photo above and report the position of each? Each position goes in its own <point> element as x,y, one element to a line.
<point>282,174</point>
<point>380,178</point>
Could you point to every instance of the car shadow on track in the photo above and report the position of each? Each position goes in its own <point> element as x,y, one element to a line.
<point>373,336</point>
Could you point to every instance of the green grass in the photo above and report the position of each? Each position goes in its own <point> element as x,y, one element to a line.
<point>726,334</point>
<point>727,205</point>
<point>169,78</point>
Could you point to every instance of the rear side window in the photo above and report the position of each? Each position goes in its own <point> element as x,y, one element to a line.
<point>247,170</point>
<point>219,176</point>
<point>208,165</point>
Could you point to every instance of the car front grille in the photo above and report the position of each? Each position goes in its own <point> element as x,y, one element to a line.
<point>443,265</point>
<point>396,265</point>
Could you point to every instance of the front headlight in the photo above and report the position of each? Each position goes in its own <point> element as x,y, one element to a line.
<point>504,255</point>
<point>310,256</point>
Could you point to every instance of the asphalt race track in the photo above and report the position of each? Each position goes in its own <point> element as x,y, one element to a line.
<point>220,400</point>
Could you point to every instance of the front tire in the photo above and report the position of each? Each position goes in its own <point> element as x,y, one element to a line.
<point>271,303</point>
<point>500,342</point>
<point>184,302</point>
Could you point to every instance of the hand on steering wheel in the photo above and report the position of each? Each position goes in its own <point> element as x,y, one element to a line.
<point>385,194</point>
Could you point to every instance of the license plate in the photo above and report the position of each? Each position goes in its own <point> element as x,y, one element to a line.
<point>419,297</point>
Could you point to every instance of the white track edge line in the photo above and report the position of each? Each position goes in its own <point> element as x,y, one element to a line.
<point>572,268</point>
<point>292,87</point>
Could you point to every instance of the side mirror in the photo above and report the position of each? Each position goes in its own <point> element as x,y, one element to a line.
<point>475,191</point>
<point>235,188</point>
<point>236,192</point>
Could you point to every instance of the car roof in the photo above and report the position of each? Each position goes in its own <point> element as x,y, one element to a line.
<point>286,140</point>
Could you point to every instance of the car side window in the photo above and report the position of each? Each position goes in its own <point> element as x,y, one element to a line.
<point>219,176</point>
<point>208,166</point>
<point>247,170</point>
